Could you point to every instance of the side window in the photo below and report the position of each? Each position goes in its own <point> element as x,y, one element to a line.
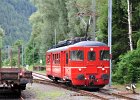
<point>77,55</point>
<point>59,58</point>
<point>53,58</point>
<point>67,58</point>
<point>91,55</point>
<point>48,59</point>
<point>56,59</point>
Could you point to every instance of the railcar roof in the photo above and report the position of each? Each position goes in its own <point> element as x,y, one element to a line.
<point>82,43</point>
<point>89,43</point>
<point>58,49</point>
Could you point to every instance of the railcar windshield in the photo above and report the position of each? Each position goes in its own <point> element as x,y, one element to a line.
<point>104,55</point>
<point>91,55</point>
<point>77,55</point>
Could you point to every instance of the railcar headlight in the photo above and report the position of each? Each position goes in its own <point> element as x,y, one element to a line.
<point>105,76</point>
<point>80,77</point>
<point>103,68</point>
<point>80,69</point>
<point>20,73</point>
<point>91,49</point>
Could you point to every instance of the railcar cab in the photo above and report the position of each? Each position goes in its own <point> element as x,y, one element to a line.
<point>89,62</point>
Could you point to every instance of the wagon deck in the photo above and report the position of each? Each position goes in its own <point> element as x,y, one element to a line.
<point>16,78</point>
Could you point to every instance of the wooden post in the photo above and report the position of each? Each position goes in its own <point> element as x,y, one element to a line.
<point>0,59</point>
<point>0,51</point>
<point>11,57</point>
<point>18,56</point>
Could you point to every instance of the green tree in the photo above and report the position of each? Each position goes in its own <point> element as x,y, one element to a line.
<point>138,44</point>
<point>61,15</point>
<point>14,16</point>
<point>50,16</point>
<point>75,28</point>
<point>1,32</point>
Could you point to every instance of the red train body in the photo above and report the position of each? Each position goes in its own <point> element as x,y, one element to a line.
<point>85,63</point>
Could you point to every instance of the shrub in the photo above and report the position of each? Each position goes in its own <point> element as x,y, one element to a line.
<point>128,69</point>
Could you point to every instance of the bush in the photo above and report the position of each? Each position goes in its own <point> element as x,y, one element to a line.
<point>138,44</point>
<point>128,69</point>
<point>7,62</point>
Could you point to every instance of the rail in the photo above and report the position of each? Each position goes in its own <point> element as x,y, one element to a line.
<point>103,94</point>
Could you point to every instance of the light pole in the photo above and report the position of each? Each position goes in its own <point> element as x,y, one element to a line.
<point>94,18</point>
<point>110,36</point>
<point>55,36</point>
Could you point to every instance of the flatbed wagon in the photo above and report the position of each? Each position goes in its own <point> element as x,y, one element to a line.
<point>15,78</point>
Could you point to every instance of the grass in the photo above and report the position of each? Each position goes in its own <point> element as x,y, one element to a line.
<point>118,86</point>
<point>51,95</point>
<point>30,68</point>
<point>122,86</point>
<point>138,86</point>
<point>41,72</point>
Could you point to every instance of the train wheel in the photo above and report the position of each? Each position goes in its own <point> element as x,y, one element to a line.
<point>19,91</point>
<point>16,88</point>
<point>50,77</point>
<point>97,89</point>
<point>22,86</point>
<point>68,83</point>
<point>55,80</point>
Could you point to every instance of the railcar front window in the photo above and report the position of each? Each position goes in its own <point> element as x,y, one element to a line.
<point>104,55</point>
<point>77,55</point>
<point>91,55</point>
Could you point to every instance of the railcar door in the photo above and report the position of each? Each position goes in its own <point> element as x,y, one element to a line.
<point>65,69</point>
<point>92,61</point>
<point>62,60</point>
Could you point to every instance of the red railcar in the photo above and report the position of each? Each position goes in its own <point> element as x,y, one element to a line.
<point>85,63</point>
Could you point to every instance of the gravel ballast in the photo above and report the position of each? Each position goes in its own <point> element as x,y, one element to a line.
<point>46,92</point>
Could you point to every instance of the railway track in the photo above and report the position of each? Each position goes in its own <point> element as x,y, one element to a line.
<point>115,94</point>
<point>103,94</point>
<point>7,93</point>
<point>21,98</point>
